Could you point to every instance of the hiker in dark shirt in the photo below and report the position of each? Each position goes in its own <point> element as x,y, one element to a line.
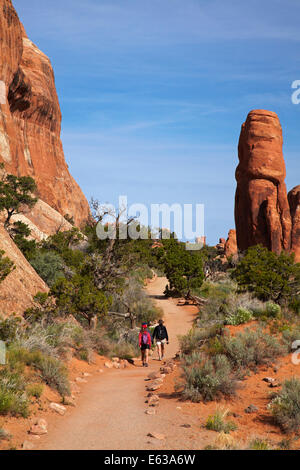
<point>161,337</point>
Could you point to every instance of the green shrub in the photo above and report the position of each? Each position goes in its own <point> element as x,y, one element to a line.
<point>216,422</point>
<point>285,407</point>
<point>272,310</point>
<point>268,275</point>
<point>49,266</point>
<point>9,328</point>
<point>259,444</point>
<point>13,399</point>
<point>54,373</point>
<point>295,304</point>
<point>20,233</point>
<point>207,379</point>
<point>251,348</point>
<point>35,390</point>
<point>6,265</point>
<point>124,350</point>
<point>291,335</point>
<point>196,338</point>
<point>241,316</point>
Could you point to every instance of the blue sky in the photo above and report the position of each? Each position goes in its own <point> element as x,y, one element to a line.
<point>153,92</point>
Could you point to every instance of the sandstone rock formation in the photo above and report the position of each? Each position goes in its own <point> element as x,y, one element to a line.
<point>294,201</point>
<point>43,221</point>
<point>22,284</point>
<point>30,119</point>
<point>231,244</point>
<point>262,212</point>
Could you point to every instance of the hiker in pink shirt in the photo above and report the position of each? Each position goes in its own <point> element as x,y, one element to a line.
<point>145,344</point>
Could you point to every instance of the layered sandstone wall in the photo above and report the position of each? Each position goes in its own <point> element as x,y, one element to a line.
<point>30,120</point>
<point>262,209</point>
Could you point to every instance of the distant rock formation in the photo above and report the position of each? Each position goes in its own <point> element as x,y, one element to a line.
<point>227,248</point>
<point>230,247</point>
<point>262,212</point>
<point>294,201</point>
<point>30,119</point>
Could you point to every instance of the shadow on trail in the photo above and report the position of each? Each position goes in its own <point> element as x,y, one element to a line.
<point>171,396</point>
<point>158,297</point>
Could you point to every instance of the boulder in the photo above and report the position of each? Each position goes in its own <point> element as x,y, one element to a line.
<point>251,409</point>
<point>80,380</point>
<point>153,400</point>
<point>39,427</point>
<point>155,375</point>
<point>153,386</point>
<point>109,364</point>
<point>60,409</point>
<point>27,445</point>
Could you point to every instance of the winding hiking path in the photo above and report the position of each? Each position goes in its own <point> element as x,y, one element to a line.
<point>110,412</point>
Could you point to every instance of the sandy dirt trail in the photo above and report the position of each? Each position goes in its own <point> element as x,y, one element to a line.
<point>110,413</point>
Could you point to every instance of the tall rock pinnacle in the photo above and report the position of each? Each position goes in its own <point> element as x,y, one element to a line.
<point>262,212</point>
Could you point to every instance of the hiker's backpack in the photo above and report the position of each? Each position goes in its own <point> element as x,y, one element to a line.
<point>145,338</point>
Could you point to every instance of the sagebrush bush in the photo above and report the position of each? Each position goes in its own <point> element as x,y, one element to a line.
<point>272,310</point>
<point>242,315</point>
<point>259,444</point>
<point>224,442</point>
<point>49,266</point>
<point>196,337</point>
<point>8,328</point>
<point>34,390</point>
<point>54,373</point>
<point>13,399</point>
<point>289,336</point>
<point>207,379</point>
<point>217,422</point>
<point>251,348</point>
<point>285,407</point>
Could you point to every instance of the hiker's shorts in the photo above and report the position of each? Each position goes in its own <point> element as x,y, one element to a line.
<point>145,346</point>
<point>161,341</point>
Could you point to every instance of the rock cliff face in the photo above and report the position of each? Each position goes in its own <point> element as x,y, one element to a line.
<point>22,284</point>
<point>294,201</point>
<point>30,119</point>
<point>262,212</point>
